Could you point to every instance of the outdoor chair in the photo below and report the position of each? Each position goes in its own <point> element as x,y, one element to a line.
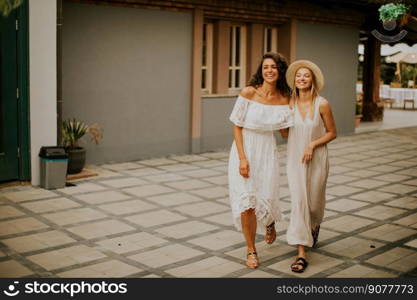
<point>388,102</point>
<point>406,101</point>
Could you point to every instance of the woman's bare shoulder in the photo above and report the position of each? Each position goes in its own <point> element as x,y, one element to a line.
<point>325,106</point>
<point>324,103</point>
<point>248,92</point>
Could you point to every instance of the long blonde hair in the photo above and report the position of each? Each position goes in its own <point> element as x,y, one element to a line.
<point>295,94</point>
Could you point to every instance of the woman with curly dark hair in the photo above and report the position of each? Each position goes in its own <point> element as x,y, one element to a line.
<point>261,108</point>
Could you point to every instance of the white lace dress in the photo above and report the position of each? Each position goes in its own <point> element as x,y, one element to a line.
<point>261,190</point>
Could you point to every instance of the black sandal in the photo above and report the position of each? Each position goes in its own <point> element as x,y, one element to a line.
<point>315,234</point>
<point>299,261</point>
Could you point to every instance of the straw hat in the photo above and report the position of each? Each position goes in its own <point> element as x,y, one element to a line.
<point>295,66</point>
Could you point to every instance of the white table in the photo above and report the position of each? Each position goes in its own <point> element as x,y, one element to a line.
<point>397,94</point>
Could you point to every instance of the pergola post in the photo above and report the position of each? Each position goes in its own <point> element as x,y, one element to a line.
<point>371,111</point>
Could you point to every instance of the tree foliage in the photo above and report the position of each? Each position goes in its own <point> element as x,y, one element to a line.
<point>6,6</point>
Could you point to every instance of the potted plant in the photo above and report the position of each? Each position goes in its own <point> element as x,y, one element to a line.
<point>72,132</point>
<point>391,12</point>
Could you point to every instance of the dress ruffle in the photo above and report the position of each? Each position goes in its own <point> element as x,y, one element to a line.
<point>264,117</point>
<point>264,214</point>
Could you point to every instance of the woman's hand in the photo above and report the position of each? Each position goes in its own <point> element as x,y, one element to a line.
<point>244,168</point>
<point>308,153</point>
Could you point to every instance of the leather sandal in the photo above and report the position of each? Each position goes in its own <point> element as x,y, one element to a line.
<point>252,260</point>
<point>270,234</point>
<point>299,262</point>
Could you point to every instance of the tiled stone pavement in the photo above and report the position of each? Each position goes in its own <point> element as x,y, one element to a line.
<point>170,217</point>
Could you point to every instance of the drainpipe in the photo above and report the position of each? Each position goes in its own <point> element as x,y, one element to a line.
<point>59,70</point>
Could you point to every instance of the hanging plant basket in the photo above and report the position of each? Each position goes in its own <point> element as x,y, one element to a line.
<point>390,13</point>
<point>404,19</point>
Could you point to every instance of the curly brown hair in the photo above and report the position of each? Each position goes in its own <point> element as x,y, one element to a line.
<point>282,65</point>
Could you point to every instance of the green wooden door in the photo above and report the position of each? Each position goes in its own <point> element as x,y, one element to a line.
<point>9,151</point>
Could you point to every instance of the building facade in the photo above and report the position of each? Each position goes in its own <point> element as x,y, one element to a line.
<point>161,77</point>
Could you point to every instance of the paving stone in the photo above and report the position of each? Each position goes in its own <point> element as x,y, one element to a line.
<point>66,257</point>
<point>74,216</point>
<point>38,241</point>
<point>201,173</point>
<point>127,207</point>
<point>345,205</point>
<point>367,183</point>
<point>388,232</point>
<point>209,267</point>
<point>122,166</point>
<point>404,202</point>
<point>124,182</point>
<point>188,184</point>
<point>352,247</point>
<point>218,240</point>
<point>341,190</point>
<point>183,230</point>
<point>100,229</point>
<point>112,269</point>
<point>131,242</point>
<point>83,187</point>
<point>157,162</point>
<point>20,225</point>
<point>359,271</point>
<point>7,211</point>
<point>212,193</point>
<point>201,209</point>
<point>380,212</point>
<point>167,255</point>
<point>174,199</point>
<point>346,223</point>
<point>29,194</point>
<point>410,221</point>
<point>13,269</point>
<point>399,259</point>
<point>148,190</point>
<point>165,177</point>
<point>399,189</point>
<point>102,197</point>
<point>43,206</point>
<point>372,196</point>
<point>155,218</point>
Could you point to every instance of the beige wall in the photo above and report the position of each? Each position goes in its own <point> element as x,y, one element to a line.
<point>334,49</point>
<point>129,70</point>
<point>42,78</point>
<point>216,128</point>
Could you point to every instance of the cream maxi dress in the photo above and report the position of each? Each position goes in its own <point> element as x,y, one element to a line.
<point>261,190</point>
<point>307,182</point>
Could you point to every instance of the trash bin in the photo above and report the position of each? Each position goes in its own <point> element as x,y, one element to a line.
<point>54,161</point>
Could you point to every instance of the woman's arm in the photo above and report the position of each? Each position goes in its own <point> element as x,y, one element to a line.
<point>243,165</point>
<point>327,115</point>
<point>284,132</point>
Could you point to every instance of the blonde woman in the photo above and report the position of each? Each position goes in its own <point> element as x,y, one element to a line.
<point>261,109</point>
<point>308,164</point>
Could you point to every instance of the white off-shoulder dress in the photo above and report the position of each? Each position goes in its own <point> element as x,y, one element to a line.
<point>261,190</point>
